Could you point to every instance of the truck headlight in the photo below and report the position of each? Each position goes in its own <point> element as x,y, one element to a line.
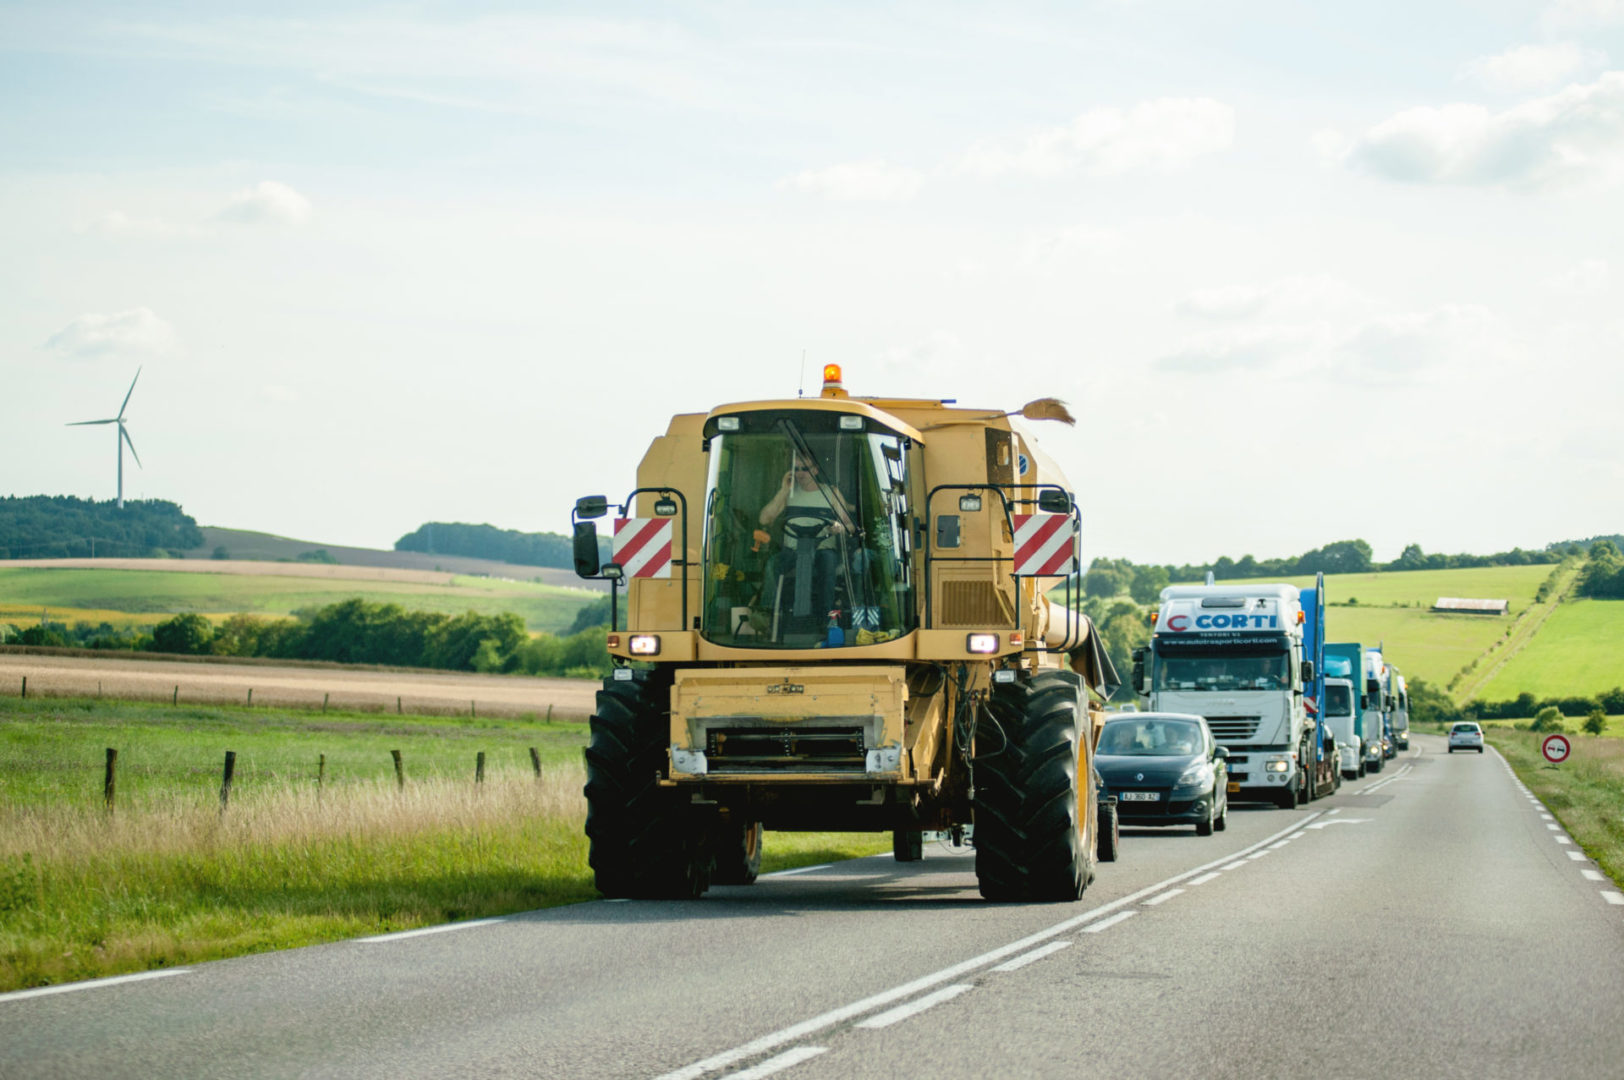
<point>1277,765</point>
<point>644,644</point>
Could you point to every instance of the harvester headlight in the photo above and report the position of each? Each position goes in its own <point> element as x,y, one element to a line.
<point>1004,675</point>
<point>969,504</point>
<point>851,423</point>
<point>981,643</point>
<point>727,423</point>
<point>611,572</point>
<point>623,674</point>
<point>665,506</point>
<point>644,644</point>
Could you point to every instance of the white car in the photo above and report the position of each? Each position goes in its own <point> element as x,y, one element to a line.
<point>1466,735</point>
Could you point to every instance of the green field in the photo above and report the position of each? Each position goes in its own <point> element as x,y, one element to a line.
<point>170,878</point>
<point>1422,645</point>
<point>159,593</point>
<point>1579,650</point>
<point>1422,588</point>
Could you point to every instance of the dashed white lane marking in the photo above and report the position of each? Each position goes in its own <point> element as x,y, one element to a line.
<point>1578,856</point>
<point>797,870</point>
<point>1553,826</point>
<point>1561,840</point>
<point>1163,897</point>
<point>1328,813</point>
<point>779,1062</point>
<point>1236,865</point>
<point>918,1005</point>
<point>761,1044</point>
<point>1033,956</point>
<point>1616,899</point>
<point>1259,855</point>
<point>400,935</point>
<point>1593,875</point>
<point>92,984</point>
<point>1106,924</point>
<point>1204,878</point>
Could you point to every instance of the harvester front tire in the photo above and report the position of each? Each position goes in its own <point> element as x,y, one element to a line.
<point>1110,832</point>
<point>642,841</point>
<point>907,845</point>
<point>1031,833</point>
<point>738,854</point>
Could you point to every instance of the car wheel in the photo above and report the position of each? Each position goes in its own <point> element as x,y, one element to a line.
<point>1204,828</point>
<point>1221,822</point>
<point>1480,749</point>
<point>1451,749</point>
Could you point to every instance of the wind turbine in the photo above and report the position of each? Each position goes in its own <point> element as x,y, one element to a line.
<point>123,437</point>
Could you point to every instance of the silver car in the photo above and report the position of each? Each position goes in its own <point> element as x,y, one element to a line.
<point>1466,735</point>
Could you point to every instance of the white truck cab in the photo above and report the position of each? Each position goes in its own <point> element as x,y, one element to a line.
<point>1342,717</point>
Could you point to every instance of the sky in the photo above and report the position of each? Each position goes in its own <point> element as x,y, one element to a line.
<point>1304,272</point>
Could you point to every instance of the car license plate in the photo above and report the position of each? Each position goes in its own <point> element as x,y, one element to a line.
<point>1141,796</point>
<point>1233,787</point>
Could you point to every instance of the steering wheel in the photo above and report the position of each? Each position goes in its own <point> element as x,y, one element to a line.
<point>808,522</point>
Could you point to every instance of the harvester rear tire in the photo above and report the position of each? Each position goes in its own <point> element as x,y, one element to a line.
<point>738,854</point>
<point>907,845</point>
<point>643,842</point>
<point>1031,779</point>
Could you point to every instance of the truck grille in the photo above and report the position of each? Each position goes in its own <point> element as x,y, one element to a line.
<point>1233,727</point>
<point>787,750</point>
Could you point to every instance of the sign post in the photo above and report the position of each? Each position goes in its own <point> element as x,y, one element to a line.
<point>1556,748</point>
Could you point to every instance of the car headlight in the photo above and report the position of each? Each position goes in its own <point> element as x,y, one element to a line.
<point>1197,775</point>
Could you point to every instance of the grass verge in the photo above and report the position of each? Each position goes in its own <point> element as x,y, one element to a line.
<point>1585,793</point>
<point>170,879</point>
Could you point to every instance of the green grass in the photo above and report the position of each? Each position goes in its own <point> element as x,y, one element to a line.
<point>1422,588</point>
<point>169,879</point>
<point>1585,793</point>
<point>1421,644</point>
<point>1576,652</point>
<point>161,592</point>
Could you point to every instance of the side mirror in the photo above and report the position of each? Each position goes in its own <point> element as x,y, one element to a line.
<point>588,507</point>
<point>586,549</point>
<point>1220,753</point>
<point>1051,501</point>
<point>1139,674</point>
<point>1308,671</point>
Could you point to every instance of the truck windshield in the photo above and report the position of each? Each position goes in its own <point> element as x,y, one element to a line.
<point>807,532</point>
<point>1218,671</point>
<point>1338,701</point>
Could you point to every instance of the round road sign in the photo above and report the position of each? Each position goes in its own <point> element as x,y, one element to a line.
<point>1556,748</point>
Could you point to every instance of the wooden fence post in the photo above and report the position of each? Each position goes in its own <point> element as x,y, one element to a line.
<point>472,711</point>
<point>225,779</point>
<point>549,714</point>
<point>110,784</point>
<point>321,773</point>
<point>175,700</point>
<point>400,770</point>
<point>250,697</point>
<point>535,761</point>
<point>479,767</point>
<point>397,706</point>
<point>25,686</point>
<point>324,698</point>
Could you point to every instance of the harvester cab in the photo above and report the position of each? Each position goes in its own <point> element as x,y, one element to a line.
<point>837,618</point>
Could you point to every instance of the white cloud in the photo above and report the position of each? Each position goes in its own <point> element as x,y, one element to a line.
<point>1534,67</point>
<point>119,224</point>
<point>1589,278</point>
<point>1159,135</point>
<point>1565,13</point>
<point>1088,241</point>
<point>267,202</point>
<point>858,181</point>
<point>1228,302</point>
<point>1574,135</point>
<point>1246,348</point>
<point>137,332</point>
<point>1459,339</point>
<point>1292,297</point>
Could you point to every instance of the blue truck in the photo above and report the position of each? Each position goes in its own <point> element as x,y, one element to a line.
<point>1358,730</point>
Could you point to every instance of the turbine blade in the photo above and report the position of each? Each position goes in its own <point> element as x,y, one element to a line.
<point>82,423</point>
<point>127,394</point>
<point>122,430</point>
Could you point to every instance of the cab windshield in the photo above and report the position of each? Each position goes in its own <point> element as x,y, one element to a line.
<point>1221,672</point>
<point>1338,701</point>
<point>1150,738</point>
<point>806,532</point>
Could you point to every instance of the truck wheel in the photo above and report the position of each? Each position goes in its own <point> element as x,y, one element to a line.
<point>1031,833</point>
<point>907,845</point>
<point>1376,766</point>
<point>1109,831</point>
<point>738,854</point>
<point>1285,798</point>
<point>643,843</point>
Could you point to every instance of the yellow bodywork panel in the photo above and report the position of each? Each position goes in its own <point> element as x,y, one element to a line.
<point>789,723</point>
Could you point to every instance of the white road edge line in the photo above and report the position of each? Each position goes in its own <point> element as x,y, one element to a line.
<point>65,988</point>
<point>1616,899</point>
<point>1236,865</point>
<point>1204,878</point>
<point>1592,875</point>
<point>780,1062</point>
<point>915,1007</point>
<point>1578,856</point>
<point>1163,898</point>
<point>797,870</point>
<point>1106,924</point>
<point>1033,956</point>
<point>401,935</point>
<point>857,1008</point>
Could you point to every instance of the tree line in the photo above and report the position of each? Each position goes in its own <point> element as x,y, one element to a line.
<point>1603,575</point>
<point>355,631</point>
<point>1144,582</point>
<point>489,542</point>
<point>66,527</point>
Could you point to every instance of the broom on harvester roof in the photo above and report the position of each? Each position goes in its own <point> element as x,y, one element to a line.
<point>1044,408</point>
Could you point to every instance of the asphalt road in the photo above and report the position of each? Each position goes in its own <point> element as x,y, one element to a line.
<point>1429,921</point>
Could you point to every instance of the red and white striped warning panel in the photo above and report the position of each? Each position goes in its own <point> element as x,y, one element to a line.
<point>642,547</point>
<point>1043,545</point>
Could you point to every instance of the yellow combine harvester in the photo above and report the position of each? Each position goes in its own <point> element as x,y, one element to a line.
<point>836,620</point>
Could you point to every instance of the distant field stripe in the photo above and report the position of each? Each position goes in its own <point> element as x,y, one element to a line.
<point>93,984</point>
<point>914,1008</point>
<point>426,930</point>
<point>1033,956</point>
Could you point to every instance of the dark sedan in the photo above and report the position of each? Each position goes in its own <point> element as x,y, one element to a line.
<point>1164,769</point>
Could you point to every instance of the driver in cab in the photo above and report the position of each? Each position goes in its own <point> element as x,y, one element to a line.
<point>814,514</point>
<point>799,490</point>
